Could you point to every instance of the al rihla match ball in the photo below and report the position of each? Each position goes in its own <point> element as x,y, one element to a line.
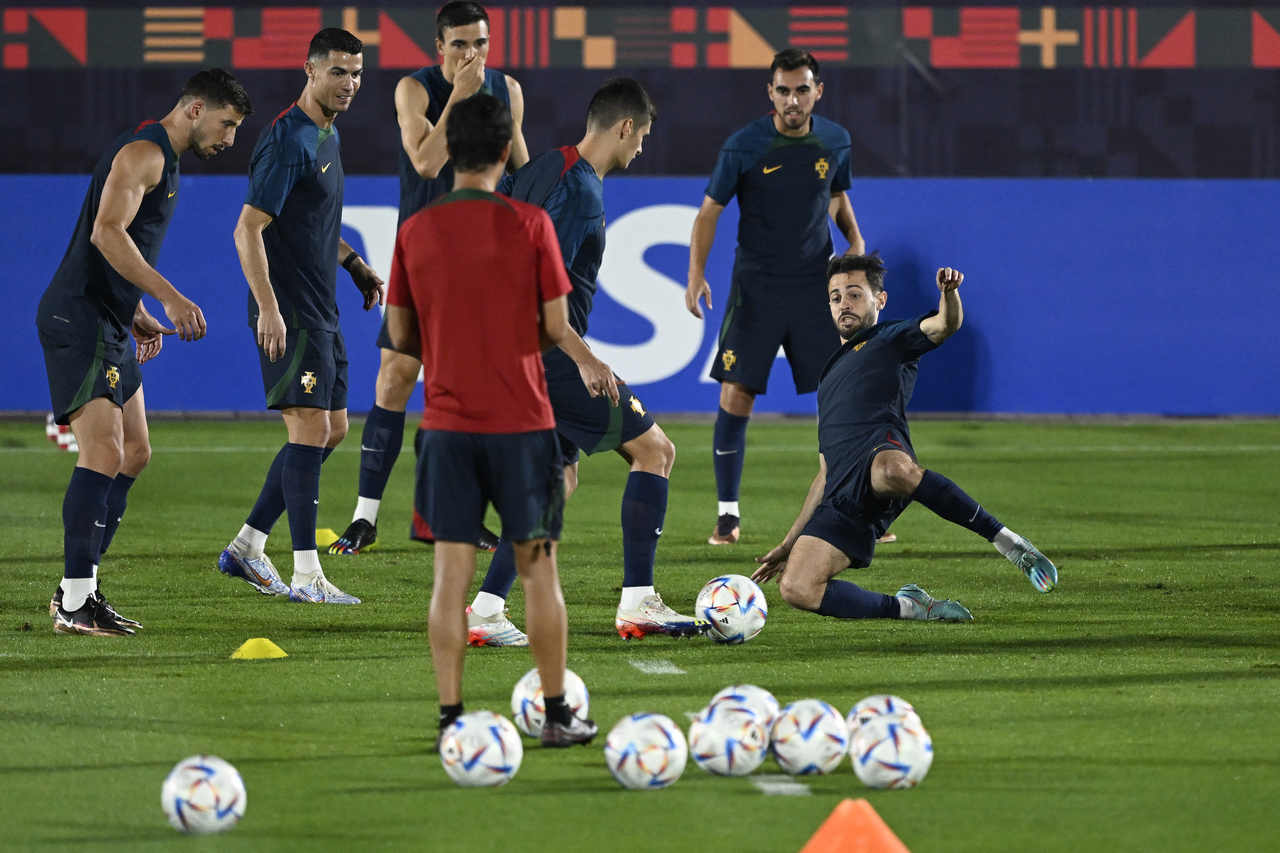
<point>527,706</point>
<point>728,739</point>
<point>481,749</point>
<point>735,607</point>
<point>881,705</point>
<point>203,794</point>
<point>891,752</point>
<point>756,698</point>
<point>645,751</point>
<point>809,736</point>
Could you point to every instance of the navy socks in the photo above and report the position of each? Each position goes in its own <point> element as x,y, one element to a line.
<point>502,571</point>
<point>300,481</point>
<point>379,448</point>
<point>644,510</point>
<point>949,501</point>
<point>729,446</point>
<point>845,600</point>
<point>84,512</point>
<point>271,501</point>
<point>117,500</point>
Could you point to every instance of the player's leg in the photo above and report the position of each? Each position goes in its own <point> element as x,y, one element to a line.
<point>380,444</point>
<point>895,474</point>
<point>729,455</point>
<point>455,565</point>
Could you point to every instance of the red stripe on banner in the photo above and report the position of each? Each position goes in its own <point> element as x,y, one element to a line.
<point>1088,38</point>
<point>530,37</point>
<point>1103,55</point>
<point>830,55</point>
<point>819,12</point>
<point>819,26</point>
<point>513,38</point>
<point>1117,37</point>
<point>544,38</point>
<point>1133,37</point>
<point>819,41</point>
<point>497,36</point>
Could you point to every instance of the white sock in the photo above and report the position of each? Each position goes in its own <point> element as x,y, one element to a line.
<point>75,591</point>
<point>729,508</point>
<point>95,575</point>
<point>487,604</point>
<point>367,508</point>
<point>1006,540</point>
<point>633,595</point>
<point>250,542</point>
<point>306,567</point>
<point>909,609</point>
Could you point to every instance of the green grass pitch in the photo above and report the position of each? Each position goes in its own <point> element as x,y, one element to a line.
<point>1135,708</point>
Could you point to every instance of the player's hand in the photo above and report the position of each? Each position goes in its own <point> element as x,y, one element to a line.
<point>469,77</point>
<point>271,332</point>
<point>772,564</point>
<point>599,379</point>
<point>697,289</point>
<point>149,334</point>
<point>370,285</point>
<point>949,279</point>
<point>186,317</point>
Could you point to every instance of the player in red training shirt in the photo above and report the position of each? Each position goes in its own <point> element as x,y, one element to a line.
<point>478,286</point>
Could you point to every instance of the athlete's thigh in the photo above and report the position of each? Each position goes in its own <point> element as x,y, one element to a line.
<point>384,341</point>
<point>308,373</point>
<point>750,334</point>
<point>449,488</point>
<point>83,364</point>
<point>524,479</point>
<point>134,417</point>
<point>810,341</point>
<point>593,424</point>
<point>815,560</point>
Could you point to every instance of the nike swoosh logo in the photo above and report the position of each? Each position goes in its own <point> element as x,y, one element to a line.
<point>370,449</point>
<point>98,524</point>
<point>657,531</point>
<point>725,452</point>
<point>172,194</point>
<point>769,170</point>
<point>325,167</point>
<point>317,503</point>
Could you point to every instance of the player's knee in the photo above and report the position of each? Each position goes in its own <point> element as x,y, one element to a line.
<point>653,452</point>
<point>337,432</point>
<point>397,374</point>
<point>135,457</point>
<point>800,590</point>
<point>896,474</point>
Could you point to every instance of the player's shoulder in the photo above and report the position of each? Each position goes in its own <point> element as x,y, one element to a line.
<point>291,134</point>
<point>755,136</point>
<point>831,134</point>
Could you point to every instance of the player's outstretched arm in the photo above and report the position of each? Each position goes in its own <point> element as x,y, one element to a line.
<point>135,171</point>
<point>253,262</point>
<point>519,148</point>
<point>841,212</point>
<point>704,234</point>
<point>772,563</point>
<point>950,314</point>
<point>370,284</point>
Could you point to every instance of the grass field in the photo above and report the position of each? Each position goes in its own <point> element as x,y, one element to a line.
<point>1135,708</point>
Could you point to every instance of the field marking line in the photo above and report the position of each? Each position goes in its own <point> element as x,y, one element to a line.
<point>780,785</point>
<point>658,666</point>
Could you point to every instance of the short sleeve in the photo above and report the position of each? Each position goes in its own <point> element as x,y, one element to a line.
<point>909,340</point>
<point>724,178</point>
<point>505,185</point>
<point>272,176</point>
<point>842,174</point>
<point>398,293</point>
<point>553,281</point>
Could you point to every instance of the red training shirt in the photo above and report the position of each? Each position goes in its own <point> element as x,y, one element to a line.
<point>475,267</point>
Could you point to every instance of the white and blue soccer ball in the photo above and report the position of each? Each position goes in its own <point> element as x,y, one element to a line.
<point>481,748</point>
<point>891,752</point>
<point>645,751</point>
<point>735,607</point>
<point>809,736</point>
<point>883,705</point>
<point>756,698</point>
<point>529,709</point>
<point>203,794</point>
<point>728,739</point>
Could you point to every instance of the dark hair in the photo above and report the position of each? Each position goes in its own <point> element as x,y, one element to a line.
<point>793,58</point>
<point>333,38</point>
<point>620,98</point>
<point>217,88</point>
<point>458,14</point>
<point>871,264</point>
<point>477,131</point>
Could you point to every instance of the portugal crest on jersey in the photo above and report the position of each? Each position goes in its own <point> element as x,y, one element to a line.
<point>821,168</point>
<point>308,381</point>
<point>113,376</point>
<point>636,407</point>
<point>728,358</point>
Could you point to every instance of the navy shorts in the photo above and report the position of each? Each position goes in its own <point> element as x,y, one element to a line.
<point>586,423</point>
<point>312,373</point>
<point>851,517</point>
<point>519,473</point>
<point>83,363</point>
<point>384,340</point>
<point>760,319</point>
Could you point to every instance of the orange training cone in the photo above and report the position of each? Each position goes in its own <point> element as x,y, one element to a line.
<point>854,827</point>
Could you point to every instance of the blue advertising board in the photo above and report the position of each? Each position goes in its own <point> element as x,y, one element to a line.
<point>1116,296</point>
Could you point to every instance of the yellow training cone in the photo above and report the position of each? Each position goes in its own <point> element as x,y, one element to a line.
<point>259,648</point>
<point>325,537</point>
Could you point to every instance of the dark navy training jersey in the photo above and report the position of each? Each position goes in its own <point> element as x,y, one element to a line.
<point>864,389</point>
<point>416,192</point>
<point>84,273</point>
<point>296,176</point>
<point>568,188</point>
<point>783,185</point>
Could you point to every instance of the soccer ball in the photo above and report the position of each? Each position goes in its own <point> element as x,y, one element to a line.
<point>756,698</point>
<point>645,751</point>
<point>203,794</point>
<point>809,736</point>
<point>881,705</point>
<point>527,707</point>
<point>734,606</point>
<point>481,748</point>
<point>889,752</point>
<point>728,740</point>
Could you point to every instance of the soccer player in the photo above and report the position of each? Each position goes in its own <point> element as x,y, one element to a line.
<point>585,395</point>
<point>85,317</point>
<point>477,267</point>
<point>424,100</point>
<point>790,171</point>
<point>289,242</point>
<point>867,469</point>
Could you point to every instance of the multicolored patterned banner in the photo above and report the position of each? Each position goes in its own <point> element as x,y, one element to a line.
<point>639,37</point>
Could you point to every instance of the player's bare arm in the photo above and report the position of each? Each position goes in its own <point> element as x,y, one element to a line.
<point>148,333</point>
<point>371,286</point>
<point>402,327</point>
<point>772,563</point>
<point>841,212</point>
<point>423,141</point>
<point>253,262</point>
<point>136,170</point>
<point>553,326</point>
<point>519,148</point>
<point>704,234</point>
<point>596,375</point>
<point>950,314</point>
